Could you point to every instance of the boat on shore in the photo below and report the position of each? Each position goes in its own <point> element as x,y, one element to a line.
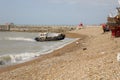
<point>50,36</point>
<point>114,23</point>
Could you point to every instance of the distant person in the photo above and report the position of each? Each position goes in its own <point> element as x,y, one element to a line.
<point>105,28</point>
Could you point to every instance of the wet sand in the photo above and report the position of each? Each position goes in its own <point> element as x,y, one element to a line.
<point>92,57</point>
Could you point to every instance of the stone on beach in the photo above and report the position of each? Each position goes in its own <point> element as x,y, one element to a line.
<point>96,62</point>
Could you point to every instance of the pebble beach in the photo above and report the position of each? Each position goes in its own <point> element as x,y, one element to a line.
<point>92,57</point>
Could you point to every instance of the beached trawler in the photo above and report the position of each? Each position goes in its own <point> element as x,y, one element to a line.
<point>50,36</point>
<point>114,23</point>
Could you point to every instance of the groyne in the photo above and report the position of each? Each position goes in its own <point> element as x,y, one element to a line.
<point>37,28</point>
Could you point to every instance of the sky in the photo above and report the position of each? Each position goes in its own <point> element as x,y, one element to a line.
<point>56,12</point>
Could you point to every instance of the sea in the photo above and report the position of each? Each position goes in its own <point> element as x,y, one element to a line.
<point>19,47</point>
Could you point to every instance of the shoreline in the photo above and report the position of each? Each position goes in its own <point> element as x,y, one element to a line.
<point>49,55</point>
<point>92,57</point>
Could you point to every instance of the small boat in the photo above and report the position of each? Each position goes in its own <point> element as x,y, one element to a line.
<point>50,36</point>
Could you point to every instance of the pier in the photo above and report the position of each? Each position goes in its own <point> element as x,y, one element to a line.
<point>37,28</point>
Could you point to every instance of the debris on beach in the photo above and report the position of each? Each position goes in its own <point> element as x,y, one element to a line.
<point>118,57</point>
<point>102,52</point>
<point>84,48</point>
<point>77,42</point>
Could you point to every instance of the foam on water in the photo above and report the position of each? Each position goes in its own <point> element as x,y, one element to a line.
<point>17,58</point>
<point>20,39</point>
<point>10,59</point>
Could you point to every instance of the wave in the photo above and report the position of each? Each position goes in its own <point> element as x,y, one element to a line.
<point>20,39</point>
<point>16,58</point>
<point>11,59</point>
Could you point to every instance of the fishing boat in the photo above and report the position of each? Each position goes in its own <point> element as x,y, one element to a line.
<point>50,36</point>
<point>114,23</point>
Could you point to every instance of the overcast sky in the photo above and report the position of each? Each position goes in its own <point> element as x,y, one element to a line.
<point>56,12</point>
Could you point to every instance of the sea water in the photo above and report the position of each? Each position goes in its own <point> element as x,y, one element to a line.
<point>17,47</point>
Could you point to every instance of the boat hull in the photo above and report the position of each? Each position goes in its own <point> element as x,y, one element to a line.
<point>56,38</point>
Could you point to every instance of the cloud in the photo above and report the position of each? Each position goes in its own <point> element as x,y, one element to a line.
<point>85,2</point>
<point>104,2</point>
<point>66,1</point>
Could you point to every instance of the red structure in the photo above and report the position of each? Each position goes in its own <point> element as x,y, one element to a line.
<point>114,24</point>
<point>80,25</point>
<point>115,32</point>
